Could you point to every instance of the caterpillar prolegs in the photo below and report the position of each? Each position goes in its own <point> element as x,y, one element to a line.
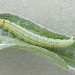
<point>33,38</point>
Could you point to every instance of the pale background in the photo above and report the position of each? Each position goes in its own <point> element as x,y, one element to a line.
<point>56,15</point>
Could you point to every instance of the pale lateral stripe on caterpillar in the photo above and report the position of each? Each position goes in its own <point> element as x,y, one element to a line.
<point>32,38</point>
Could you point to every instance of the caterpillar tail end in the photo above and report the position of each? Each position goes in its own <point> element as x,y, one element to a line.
<point>72,40</point>
<point>71,37</point>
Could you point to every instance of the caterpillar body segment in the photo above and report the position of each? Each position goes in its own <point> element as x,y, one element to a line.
<point>32,38</point>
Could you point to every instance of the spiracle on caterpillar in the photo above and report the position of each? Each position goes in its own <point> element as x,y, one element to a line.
<point>33,38</point>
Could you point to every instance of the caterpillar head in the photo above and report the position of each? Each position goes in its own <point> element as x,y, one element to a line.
<point>1,22</point>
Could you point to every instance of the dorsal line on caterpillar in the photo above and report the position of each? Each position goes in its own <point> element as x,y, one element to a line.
<point>32,38</point>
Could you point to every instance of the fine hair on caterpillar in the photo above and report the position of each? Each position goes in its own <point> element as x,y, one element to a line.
<point>33,38</point>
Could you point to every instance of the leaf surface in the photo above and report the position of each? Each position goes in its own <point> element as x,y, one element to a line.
<point>68,54</point>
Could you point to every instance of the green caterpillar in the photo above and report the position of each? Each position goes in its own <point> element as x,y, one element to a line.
<point>32,38</point>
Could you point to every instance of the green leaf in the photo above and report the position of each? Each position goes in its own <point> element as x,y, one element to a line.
<point>68,54</point>
<point>6,42</point>
<point>31,26</point>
